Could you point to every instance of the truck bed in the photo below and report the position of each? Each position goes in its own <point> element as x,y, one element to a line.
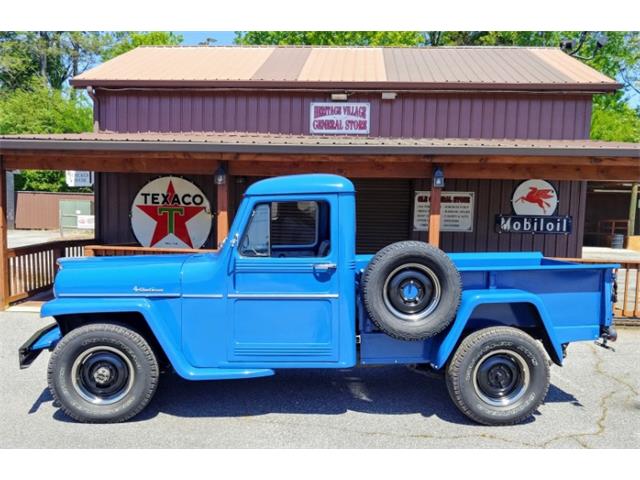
<point>570,301</point>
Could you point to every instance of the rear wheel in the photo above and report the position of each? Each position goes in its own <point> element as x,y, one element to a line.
<point>103,373</point>
<point>498,376</point>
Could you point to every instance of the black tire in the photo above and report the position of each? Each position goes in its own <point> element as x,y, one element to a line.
<point>498,376</point>
<point>102,373</point>
<point>426,270</point>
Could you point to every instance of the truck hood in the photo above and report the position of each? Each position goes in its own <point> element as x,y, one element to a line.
<point>140,275</point>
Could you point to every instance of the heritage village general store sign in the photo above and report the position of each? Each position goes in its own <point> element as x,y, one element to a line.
<point>340,118</point>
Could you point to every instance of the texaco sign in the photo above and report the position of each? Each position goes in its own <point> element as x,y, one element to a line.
<point>171,212</point>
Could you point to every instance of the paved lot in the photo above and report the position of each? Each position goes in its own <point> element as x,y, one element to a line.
<point>593,402</point>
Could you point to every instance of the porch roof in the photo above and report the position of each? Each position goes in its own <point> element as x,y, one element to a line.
<point>256,143</point>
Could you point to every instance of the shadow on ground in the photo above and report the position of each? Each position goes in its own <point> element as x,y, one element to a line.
<point>381,390</point>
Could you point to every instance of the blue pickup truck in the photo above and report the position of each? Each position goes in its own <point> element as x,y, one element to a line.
<point>287,290</point>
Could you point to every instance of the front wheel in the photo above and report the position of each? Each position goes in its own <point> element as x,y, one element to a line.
<point>498,376</point>
<point>103,373</point>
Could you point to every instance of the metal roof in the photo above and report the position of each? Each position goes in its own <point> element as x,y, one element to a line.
<point>406,68</point>
<point>241,142</point>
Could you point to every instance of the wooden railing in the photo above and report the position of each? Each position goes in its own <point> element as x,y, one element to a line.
<point>31,269</point>
<point>628,279</point>
<point>119,250</point>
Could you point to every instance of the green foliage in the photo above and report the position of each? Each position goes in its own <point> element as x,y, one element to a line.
<point>34,70</point>
<point>371,39</point>
<point>125,41</point>
<point>618,123</point>
<point>40,109</point>
<point>42,181</point>
<point>52,56</point>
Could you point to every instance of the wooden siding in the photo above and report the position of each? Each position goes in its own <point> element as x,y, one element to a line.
<point>114,195</point>
<point>432,115</point>
<point>493,197</point>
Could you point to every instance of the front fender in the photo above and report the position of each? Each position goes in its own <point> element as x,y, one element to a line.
<point>471,299</point>
<point>153,311</point>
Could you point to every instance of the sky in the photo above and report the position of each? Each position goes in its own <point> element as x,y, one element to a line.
<point>193,38</point>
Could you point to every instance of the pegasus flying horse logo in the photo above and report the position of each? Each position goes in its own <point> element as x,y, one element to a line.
<point>538,196</point>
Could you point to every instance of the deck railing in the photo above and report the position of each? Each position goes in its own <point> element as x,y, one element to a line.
<point>119,250</point>
<point>31,269</point>
<point>628,280</point>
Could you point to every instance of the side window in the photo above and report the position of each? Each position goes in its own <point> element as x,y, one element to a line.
<point>255,241</point>
<point>288,229</point>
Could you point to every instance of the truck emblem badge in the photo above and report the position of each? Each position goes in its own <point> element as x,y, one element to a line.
<point>147,290</point>
<point>171,212</point>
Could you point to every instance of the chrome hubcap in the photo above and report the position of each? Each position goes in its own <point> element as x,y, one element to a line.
<point>501,377</point>
<point>102,375</point>
<point>412,292</point>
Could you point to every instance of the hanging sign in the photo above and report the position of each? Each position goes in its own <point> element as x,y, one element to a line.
<point>534,203</point>
<point>171,212</point>
<point>78,178</point>
<point>341,118</point>
<point>456,211</point>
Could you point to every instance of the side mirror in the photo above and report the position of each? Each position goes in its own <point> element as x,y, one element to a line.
<point>234,240</point>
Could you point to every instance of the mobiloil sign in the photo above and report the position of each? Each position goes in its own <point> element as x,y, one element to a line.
<point>534,203</point>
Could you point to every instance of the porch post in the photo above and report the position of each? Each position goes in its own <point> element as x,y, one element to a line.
<point>4,260</point>
<point>633,208</point>
<point>434,217</point>
<point>437,182</point>
<point>222,204</point>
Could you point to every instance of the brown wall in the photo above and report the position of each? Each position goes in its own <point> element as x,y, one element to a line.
<point>40,210</point>
<point>430,115</point>
<point>115,194</point>
<point>493,197</point>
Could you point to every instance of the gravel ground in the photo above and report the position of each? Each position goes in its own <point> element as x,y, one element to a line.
<point>593,402</point>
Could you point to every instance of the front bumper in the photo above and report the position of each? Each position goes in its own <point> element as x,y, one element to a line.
<point>45,338</point>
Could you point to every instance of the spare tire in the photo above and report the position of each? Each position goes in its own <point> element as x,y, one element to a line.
<point>411,290</point>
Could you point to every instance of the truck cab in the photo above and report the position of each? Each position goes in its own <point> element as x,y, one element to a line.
<point>283,289</point>
<point>286,289</point>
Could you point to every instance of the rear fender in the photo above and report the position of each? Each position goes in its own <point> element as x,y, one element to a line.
<point>471,299</point>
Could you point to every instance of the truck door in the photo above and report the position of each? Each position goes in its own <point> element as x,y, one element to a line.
<point>284,298</point>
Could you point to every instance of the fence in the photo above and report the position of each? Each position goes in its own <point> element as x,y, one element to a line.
<point>31,269</point>
<point>628,303</point>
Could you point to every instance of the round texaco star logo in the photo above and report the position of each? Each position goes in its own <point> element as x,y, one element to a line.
<point>171,212</point>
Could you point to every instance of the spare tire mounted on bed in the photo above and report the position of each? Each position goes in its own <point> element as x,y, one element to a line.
<point>411,290</point>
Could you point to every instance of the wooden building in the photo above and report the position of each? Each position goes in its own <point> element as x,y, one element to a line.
<point>391,119</point>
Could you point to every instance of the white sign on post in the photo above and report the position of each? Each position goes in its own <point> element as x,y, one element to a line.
<point>86,222</point>
<point>79,178</point>
<point>340,118</point>
<point>456,211</point>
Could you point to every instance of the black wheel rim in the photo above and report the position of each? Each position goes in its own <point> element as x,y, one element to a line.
<point>501,378</point>
<point>411,292</point>
<point>102,375</point>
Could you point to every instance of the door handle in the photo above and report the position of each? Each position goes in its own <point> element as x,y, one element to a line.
<point>323,267</point>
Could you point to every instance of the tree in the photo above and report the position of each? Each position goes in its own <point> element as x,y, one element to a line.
<point>618,57</point>
<point>34,94</point>
<point>122,42</point>
<point>53,57</point>
<point>41,109</point>
<point>371,39</point>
